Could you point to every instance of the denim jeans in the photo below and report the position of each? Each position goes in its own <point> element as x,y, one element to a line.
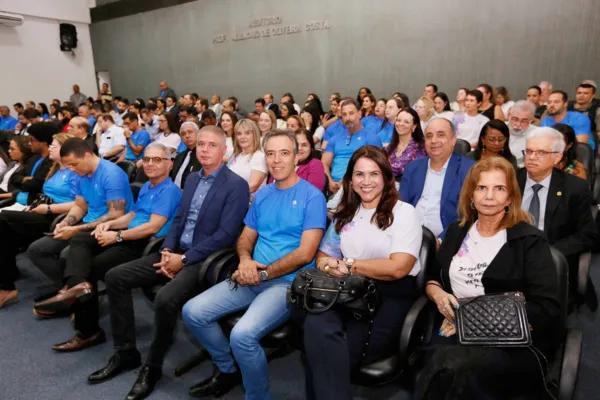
<point>267,309</point>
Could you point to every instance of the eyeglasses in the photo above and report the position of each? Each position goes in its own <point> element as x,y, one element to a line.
<point>155,160</point>
<point>539,153</point>
<point>524,121</point>
<point>499,140</point>
<point>348,140</point>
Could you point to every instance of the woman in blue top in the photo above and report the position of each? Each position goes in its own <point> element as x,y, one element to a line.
<point>18,229</point>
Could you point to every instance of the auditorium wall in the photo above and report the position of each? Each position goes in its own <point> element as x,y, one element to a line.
<point>33,67</point>
<point>212,46</point>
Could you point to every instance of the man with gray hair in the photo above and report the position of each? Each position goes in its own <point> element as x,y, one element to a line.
<point>520,124</point>
<point>186,162</point>
<point>558,202</point>
<point>546,90</point>
<point>284,227</point>
<point>112,243</point>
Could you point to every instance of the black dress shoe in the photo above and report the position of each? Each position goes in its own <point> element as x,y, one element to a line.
<point>144,383</point>
<point>121,361</point>
<point>217,385</point>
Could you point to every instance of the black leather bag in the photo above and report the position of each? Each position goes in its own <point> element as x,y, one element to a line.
<point>316,292</point>
<point>497,320</point>
<point>39,200</point>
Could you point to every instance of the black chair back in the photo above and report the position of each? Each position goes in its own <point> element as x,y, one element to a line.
<point>135,189</point>
<point>462,147</point>
<point>585,155</point>
<point>426,257</point>
<point>129,168</point>
<point>562,273</point>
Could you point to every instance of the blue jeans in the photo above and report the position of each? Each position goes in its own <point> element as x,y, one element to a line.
<point>267,309</point>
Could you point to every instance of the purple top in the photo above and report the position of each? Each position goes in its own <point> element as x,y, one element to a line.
<point>411,152</point>
<point>312,172</point>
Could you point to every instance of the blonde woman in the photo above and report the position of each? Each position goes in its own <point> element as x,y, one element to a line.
<point>295,123</point>
<point>248,159</point>
<point>267,121</point>
<point>426,110</point>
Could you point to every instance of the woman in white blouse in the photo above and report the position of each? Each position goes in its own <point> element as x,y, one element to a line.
<point>442,106</point>
<point>248,159</point>
<point>168,132</point>
<point>375,235</point>
<point>228,122</point>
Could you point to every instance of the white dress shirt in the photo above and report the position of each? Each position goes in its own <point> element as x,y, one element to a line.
<point>428,206</point>
<point>542,194</point>
<point>110,139</point>
<point>517,143</point>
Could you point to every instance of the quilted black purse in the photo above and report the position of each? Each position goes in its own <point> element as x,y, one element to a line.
<point>39,200</point>
<point>316,292</point>
<point>497,320</point>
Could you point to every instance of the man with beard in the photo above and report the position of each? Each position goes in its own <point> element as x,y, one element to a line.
<point>122,109</point>
<point>586,104</point>
<point>341,147</point>
<point>519,125</point>
<point>557,108</point>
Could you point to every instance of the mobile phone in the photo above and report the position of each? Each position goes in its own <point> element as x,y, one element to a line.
<point>49,233</point>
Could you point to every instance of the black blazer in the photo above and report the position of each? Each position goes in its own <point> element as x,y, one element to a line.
<point>568,221</point>
<point>193,165</point>
<point>16,179</point>
<point>34,186</point>
<point>523,264</point>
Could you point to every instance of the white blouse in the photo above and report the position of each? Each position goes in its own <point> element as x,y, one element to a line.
<point>244,164</point>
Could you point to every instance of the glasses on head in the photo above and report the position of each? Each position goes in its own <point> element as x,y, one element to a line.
<point>348,140</point>
<point>499,140</point>
<point>154,160</point>
<point>539,153</point>
<point>523,121</point>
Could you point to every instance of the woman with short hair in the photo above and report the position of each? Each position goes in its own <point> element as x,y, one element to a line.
<point>468,124</point>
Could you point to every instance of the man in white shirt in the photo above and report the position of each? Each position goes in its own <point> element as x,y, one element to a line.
<point>150,121</point>
<point>215,102</point>
<point>520,124</point>
<point>123,108</point>
<point>112,140</point>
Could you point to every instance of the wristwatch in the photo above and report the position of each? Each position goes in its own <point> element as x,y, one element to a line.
<point>119,236</point>
<point>49,210</point>
<point>263,274</point>
<point>349,263</point>
<point>184,260</point>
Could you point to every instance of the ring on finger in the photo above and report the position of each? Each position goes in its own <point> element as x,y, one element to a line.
<point>326,269</point>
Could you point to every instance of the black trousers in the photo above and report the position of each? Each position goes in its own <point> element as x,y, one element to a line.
<point>335,343</point>
<point>18,229</point>
<point>453,371</point>
<point>167,304</point>
<point>90,261</point>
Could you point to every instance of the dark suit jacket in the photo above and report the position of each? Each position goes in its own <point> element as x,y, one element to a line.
<point>193,165</point>
<point>413,182</point>
<point>568,221</point>
<point>220,218</point>
<point>523,264</point>
<point>16,179</point>
<point>34,185</point>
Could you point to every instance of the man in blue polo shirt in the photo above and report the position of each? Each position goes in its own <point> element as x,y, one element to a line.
<point>7,122</point>
<point>581,124</point>
<point>102,194</point>
<point>284,227</point>
<point>342,146</point>
<point>113,243</point>
<point>137,138</point>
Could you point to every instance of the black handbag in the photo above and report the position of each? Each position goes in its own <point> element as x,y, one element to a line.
<point>39,200</point>
<point>316,292</point>
<point>496,320</point>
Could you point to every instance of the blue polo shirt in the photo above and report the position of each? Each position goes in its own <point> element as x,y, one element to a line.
<point>385,132</point>
<point>162,199</point>
<point>580,123</point>
<point>107,183</point>
<point>343,146</point>
<point>61,186</point>
<point>8,123</point>
<point>371,121</point>
<point>140,137</point>
<point>182,147</point>
<point>334,130</point>
<point>92,122</point>
<point>281,216</point>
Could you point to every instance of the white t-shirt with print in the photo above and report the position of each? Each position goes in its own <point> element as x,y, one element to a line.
<point>469,128</point>
<point>472,259</point>
<point>244,164</point>
<point>362,240</point>
<point>170,142</point>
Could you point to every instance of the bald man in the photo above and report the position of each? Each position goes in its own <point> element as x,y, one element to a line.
<point>166,91</point>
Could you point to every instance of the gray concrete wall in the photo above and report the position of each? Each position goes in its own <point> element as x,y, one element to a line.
<point>387,45</point>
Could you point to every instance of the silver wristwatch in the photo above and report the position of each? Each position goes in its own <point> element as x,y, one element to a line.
<point>263,274</point>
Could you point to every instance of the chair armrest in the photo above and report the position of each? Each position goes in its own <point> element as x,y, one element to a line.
<point>6,202</point>
<point>418,321</point>
<point>570,365</point>
<point>211,261</point>
<point>153,246</point>
<point>583,272</point>
<point>56,221</point>
<point>229,262</point>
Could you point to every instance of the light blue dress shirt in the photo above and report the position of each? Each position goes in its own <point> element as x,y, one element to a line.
<point>542,194</point>
<point>428,206</point>
<point>197,200</point>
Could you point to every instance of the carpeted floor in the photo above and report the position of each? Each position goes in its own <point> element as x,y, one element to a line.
<point>29,369</point>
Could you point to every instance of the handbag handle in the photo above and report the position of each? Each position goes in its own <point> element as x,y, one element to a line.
<point>320,310</point>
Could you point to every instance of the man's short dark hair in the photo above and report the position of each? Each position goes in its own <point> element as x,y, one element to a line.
<point>587,86</point>
<point>151,107</point>
<point>477,94</point>
<point>117,98</point>
<point>136,106</point>
<point>203,101</point>
<point>18,105</point>
<point>536,87</point>
<point>97,107</point>
<point>233,98</point>
<point>32,102</point>
<point>563,94</point>
<point>107,117</point>
<point>208,114</point>
<point>31,113</point>
<point>75,146</point>
<point>348,101</point>
<point>195,96</point>
<point>130,116</point>
<point>124,100</point>
<point>433,85</point>
<point>172,98</point>
<point>188,109</point>
<point>260,100</point>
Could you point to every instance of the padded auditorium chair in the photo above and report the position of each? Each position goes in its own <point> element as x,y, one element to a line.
<point>462,147</point>
<point>585,155</point>
<point>129,168</point>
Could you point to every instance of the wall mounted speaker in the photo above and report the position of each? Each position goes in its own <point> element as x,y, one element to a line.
<point>68,37</point>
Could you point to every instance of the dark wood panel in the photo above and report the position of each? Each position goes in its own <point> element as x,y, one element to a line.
<point>124,8</point>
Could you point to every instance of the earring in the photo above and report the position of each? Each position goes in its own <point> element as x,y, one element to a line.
<point>506,209</point>
<point>472,205</point>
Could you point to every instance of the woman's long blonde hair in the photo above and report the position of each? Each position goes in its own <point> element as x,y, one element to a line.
<point>467,215</point>
<point>247,124</point>
<point>60,138</point>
